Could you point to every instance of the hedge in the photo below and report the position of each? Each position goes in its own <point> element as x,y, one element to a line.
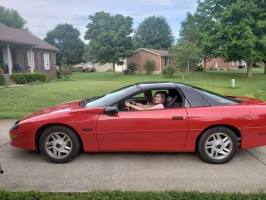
<point>149,66</point>
<point>168,71</point>
<point>24,78</point>
<point>169,195</point>
<point>2,79</point>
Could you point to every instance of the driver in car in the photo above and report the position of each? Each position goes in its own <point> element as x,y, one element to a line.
<point>158,103</point>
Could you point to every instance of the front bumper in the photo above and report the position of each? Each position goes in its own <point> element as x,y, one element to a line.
<point>21,137</point>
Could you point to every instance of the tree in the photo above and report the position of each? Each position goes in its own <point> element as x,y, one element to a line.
<point>185,54</point>
<point>11,18</point>
<point>233,29</point>
<point>261,31</point>
<point>200,30</point>
<point>66,38</point>
<point>109,38</point>
<point>190,29</point>
<point>154,32</point>
<point>239,38</point>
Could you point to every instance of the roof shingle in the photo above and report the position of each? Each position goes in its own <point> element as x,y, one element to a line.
<point>21,36</point>
<point>156,51</point>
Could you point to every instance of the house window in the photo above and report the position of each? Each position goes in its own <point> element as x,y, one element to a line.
<point>31,60</point>
<point>46,61</point>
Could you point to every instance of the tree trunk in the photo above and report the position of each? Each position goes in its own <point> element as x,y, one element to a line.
<point>249,69</point>
<point>204,64</point>
<point>264,66</point>
<point>113,66</point>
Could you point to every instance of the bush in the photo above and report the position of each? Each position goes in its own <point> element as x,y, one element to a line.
<point>24,78</point>
<point>149,66</point>
<point>131,68</point>
<point>2,79</point>
<point>1,70</point>
<point>168,71</point>
<point>127,71</point>
<point>199,69</point>
<point>65,72</point>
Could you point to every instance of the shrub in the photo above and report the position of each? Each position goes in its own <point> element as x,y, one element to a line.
<point>149,66</point>
<point>199,69</point>
<point>131,68</point>
<point>168,71</point>
<point>1,70</point>
<point>2,79</point>
<point>127,71</point>
<point>24,78</point>
<point>65,72</point>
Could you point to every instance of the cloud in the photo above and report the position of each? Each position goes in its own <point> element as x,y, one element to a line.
<point>43,15</point>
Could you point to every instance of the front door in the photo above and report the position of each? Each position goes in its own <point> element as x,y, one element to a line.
<point>149,130</point>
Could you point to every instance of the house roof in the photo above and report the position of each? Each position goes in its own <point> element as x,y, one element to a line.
<point>155,51</point>
<point>21,36</point>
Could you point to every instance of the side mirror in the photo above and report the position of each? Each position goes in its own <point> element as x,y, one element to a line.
<point>111,111</point>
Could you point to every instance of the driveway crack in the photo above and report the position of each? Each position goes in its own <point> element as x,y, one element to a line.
<point>256,157</point>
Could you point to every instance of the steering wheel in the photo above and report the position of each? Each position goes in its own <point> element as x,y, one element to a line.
<point>122,106</point>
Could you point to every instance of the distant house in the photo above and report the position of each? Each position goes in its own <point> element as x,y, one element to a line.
<point>21,51</point>
<point>142,55</point>
<point>102,67</point>
<point>220,63</point>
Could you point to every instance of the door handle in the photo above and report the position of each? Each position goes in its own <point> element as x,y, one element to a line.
<point>178,117</point>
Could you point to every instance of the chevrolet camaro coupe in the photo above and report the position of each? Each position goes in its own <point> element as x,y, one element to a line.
<point>193,120</point>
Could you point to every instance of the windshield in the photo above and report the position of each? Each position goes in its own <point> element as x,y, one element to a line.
<point>110,98</point>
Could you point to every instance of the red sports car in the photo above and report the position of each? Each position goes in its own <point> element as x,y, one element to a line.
<point>193,120</point>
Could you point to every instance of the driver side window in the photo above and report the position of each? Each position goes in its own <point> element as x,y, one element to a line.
<point>173,99</point>
<point>140,97</point>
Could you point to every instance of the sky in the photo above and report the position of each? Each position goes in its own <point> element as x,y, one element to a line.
<point>43,15</point>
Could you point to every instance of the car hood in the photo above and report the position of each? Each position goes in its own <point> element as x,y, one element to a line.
<point>65,107</point>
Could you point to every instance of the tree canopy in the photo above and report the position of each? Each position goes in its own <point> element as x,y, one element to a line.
<point>185,54</point>
<point>233,29</point>
<point>109,38</point>
<point>154,32</point>
<point>66,38</point>
<point>11,18</point>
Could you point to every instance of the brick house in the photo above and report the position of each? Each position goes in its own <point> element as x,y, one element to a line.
<point>21,51</point>
<point>220,63</point>
<point>142,55</point>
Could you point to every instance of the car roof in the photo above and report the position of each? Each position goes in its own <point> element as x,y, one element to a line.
<point>154,85</point>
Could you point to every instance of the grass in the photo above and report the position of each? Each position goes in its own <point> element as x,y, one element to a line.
<point>129,195</point>
<point>16,102</point>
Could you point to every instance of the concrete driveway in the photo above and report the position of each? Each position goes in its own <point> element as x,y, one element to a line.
<point>117,171</point>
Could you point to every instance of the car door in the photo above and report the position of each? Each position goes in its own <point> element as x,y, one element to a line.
<point>149,130</point>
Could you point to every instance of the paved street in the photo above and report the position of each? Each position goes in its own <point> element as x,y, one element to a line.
<point>117,171</point>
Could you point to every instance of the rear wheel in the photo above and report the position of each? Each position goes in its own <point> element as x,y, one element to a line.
<point>59,144</point>
<point>218,145</point>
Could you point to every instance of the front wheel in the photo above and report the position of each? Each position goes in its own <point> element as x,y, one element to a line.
<point>218,145</point>
<point>59,144</point>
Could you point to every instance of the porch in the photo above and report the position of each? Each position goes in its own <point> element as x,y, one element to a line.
<point>16,58</point>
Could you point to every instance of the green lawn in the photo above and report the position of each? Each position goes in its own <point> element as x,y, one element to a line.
<point>17,101</point>
<point>130,195</point>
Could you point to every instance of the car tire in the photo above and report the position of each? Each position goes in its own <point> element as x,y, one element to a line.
<point>59,144</point>
<point>218,145</point>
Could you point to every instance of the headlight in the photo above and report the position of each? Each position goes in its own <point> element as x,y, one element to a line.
<point>15,126</point>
